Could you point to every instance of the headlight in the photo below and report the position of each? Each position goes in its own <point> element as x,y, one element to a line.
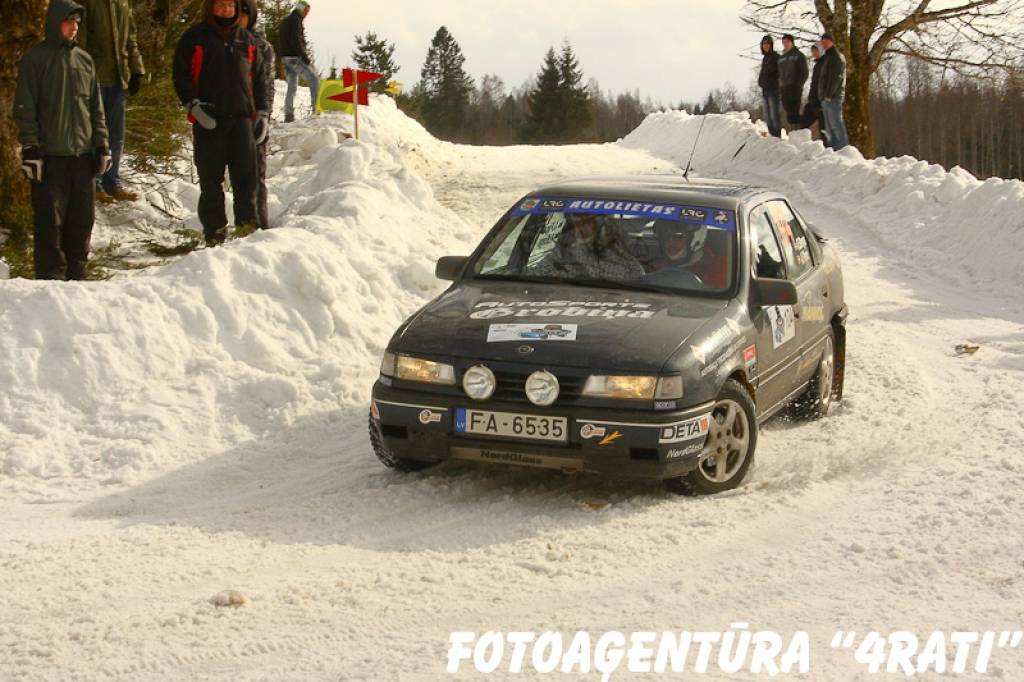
<point>479,382</point>
<point>634,387</point>
<point>414,369</point>
<point>542,388</point>
<point>387,365</point>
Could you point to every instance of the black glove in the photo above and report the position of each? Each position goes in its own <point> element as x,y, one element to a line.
<point>32,163</point>
<point>103,160</point>
<point>201,113</point>
<point>134,83</point>
<point>261,127</point>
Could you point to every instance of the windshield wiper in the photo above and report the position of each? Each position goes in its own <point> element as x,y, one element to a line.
<point>628,285</point>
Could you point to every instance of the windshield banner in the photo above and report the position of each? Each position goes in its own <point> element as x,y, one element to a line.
<point>721,219</point>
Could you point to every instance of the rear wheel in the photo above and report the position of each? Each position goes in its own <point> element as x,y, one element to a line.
<point>388,458</point>
<point>816,400</point>
<point>729,449</point>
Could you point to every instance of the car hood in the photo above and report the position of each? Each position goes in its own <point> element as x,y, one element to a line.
<point>567,326</point>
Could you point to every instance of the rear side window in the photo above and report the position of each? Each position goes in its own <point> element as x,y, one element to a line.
<point>795,247</point>
<point>767,256</point>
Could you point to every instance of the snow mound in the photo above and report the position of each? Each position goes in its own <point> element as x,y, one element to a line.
<point>110,381</point>
<point>944,221</point>
<point>5,270</point>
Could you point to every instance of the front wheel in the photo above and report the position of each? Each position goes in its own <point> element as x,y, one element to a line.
<point>729,449</point>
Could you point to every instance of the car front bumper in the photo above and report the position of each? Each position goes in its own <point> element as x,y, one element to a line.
<point>419,425</point>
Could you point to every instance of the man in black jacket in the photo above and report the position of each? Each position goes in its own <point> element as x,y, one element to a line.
<point>768,79</point>
<point>792,76</point>
<point>216,76</point>
<point>831,88</point>
<point>296,59</point>
<point>250,14</point>
<point>58,109</point>
<point>811,117</point>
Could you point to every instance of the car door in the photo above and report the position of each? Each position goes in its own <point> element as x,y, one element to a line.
<point>775,326</point>
<point>804,270</point>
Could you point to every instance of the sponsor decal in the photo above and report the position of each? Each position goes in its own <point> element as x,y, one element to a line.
<point>692,449</point>
<point>374,412</point>
<point>812,313</point>
<point>716,218</point>
<point>592,431</point>
<point>511,458</point>
<point>429,417</point>
<point>611,438</point>
<point>664,404</point>
<point>491,310</point>
<point>524,350</point>
<point>721,359</point>
<point>783,323</point>
<point>533,332</point>
<point>688,430</point>
<point>715,342</point>
<point>750,359</point>
<point>733,325</point>
<point>699,354</point>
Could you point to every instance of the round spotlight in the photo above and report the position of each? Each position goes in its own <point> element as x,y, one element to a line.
<point>479,382</point>
<point>542,388</point>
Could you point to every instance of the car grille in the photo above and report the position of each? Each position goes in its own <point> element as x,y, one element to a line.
<point>512,387</point>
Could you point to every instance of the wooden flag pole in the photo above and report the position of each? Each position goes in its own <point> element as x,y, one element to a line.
<point>355,99</point>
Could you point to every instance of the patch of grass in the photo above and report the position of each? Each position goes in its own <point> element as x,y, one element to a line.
<point>110,257</point>
<point>186,241</point>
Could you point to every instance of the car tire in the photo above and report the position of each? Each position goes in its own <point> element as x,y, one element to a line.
<point>729,450</point>
<point>817,399</point>
<point>390,459</point>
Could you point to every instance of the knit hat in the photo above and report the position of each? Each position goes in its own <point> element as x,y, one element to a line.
<point>301,5</point>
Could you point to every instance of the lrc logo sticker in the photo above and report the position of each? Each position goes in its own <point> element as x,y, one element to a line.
<point>429,417</point>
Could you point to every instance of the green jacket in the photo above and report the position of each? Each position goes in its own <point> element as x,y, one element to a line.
<point>108,33</point>
<point>57,104</point>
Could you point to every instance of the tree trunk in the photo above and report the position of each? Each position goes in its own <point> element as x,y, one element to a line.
<point>857,110</point>
<point>22,22</point>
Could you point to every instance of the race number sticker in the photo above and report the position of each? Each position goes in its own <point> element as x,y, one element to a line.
<point>783,323</point>
<point>531,332</point>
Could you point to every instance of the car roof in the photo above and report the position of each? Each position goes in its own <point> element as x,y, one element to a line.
<point>671,188</point>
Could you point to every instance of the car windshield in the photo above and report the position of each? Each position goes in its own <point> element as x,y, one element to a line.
<point>623,244</point>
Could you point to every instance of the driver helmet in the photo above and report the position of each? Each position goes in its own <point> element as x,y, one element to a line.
<point>682,244</point>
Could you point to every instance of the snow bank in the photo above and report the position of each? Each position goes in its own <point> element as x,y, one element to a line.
<point>5,271</point>
<point>111,380</point>
<point>947,221</point>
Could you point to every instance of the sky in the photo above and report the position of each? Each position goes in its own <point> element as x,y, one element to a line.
<point>669,50</point>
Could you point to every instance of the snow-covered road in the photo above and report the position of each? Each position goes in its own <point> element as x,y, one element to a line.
<point>118,523</point>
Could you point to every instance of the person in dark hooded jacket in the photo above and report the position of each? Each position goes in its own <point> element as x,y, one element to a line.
<point>250,14</point>
<point>768,79</point>
<point>811,117</point>
<point>58,110</point>
<point>216,76</point>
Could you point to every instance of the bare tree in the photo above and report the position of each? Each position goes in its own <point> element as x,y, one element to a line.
<point>22,22</point>
<point>976,37</point>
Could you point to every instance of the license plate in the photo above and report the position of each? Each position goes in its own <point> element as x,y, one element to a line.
<point>511,425</point>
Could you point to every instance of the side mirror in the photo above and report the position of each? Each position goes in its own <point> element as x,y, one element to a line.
<point>768,292</point>
<point>449,267</point>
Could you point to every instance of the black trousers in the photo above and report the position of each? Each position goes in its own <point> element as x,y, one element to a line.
<point>64,210</point>
<point>229,146</point>
<point>791,104</point>
<point>261,192</point>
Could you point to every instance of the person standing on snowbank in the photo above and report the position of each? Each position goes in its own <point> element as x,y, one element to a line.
<point>811,118</point>
<point>831,89</point>
<point>58,110</point>
<point>292,46</point>
<point>792,76</point>
<point>250,14</point>
<point>216,76</point>
<point>768,79</point>
<point>108,34</point>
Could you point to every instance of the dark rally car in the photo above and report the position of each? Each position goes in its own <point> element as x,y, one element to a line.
<point>636,326</point>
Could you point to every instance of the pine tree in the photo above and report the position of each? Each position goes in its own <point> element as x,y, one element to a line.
<point>446,86</point>
<point>579,116</point>
<point>560,105</point>
<point>377,55</point>
<point>545,123</point>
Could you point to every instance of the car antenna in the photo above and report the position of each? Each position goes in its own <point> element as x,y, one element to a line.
<point>686,173</point>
